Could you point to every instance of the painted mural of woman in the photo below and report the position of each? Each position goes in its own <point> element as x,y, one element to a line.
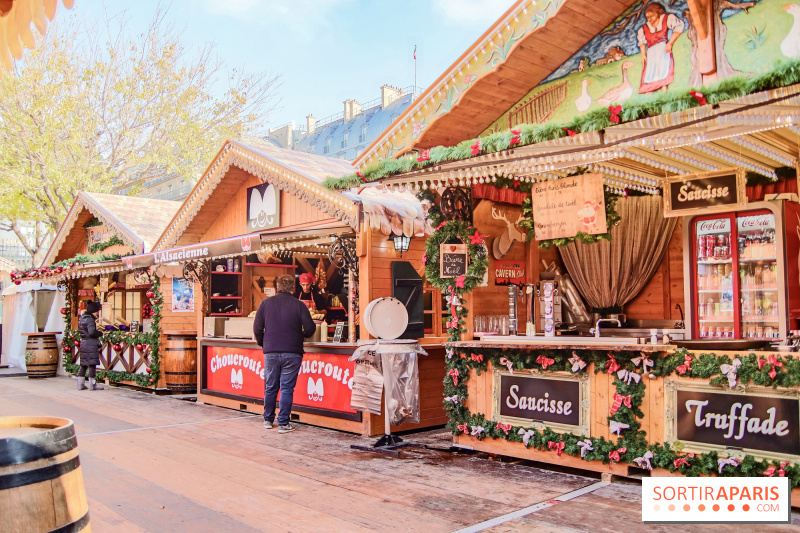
<point>655,40</point>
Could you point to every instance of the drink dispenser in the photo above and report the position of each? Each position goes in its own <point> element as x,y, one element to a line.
<point>547,292</point>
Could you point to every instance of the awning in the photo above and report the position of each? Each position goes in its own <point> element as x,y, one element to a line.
<point>203,250</point>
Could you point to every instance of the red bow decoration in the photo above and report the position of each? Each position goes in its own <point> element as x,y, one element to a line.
<point>460,281</point>
<point>699,97</point>
<point>611,365</point>
<point>557,446</point>
<point>571,133</point>
<point>453,300</point>
<point>772,361</point>
<point>426,154</point>
<point>686,366</point>
<point>463,428</point>
<point>515,184</point>
<point>515,139</point>
<point>619,400</point>
<point>440,226</point>
<point>682,461</point>
<point>476,148</point>
<point>476,238</point>
<point>477,357</point>
<point>545,361</point>
<point>454,374</point>
<point>505,428</point>
<point>770,472</point>
<point>360,175</point>
<point>615,111</point>
<point>614,455</point>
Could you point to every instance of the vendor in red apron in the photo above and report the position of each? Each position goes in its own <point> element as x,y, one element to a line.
<point>310,296</point>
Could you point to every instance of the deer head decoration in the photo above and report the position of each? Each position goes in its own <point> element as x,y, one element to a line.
<point>502,244</point>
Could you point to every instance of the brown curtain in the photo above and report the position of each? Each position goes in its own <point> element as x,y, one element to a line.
<point>613,273</point>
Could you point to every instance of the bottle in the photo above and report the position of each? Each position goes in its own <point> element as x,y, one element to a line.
<point>323,334</point>
<point>653,336</point>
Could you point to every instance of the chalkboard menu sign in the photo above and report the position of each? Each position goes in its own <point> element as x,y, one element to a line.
<point>756,422</point>
<point>538,398</point>
<point>452,260</point>
<point>706,192</point>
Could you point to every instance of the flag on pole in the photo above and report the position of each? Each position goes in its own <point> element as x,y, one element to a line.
<point>415,51</point>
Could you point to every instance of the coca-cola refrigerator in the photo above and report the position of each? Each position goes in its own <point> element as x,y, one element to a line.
<point>742,272</point>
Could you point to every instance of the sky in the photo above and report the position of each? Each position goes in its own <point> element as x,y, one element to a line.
<point>326,51</point>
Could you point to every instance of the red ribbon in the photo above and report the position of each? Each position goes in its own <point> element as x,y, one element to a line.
<point>619,400</point>
<point>682,461</point>
<point>615,111</point>
<point>440,226</point>
<point>515,139</point>
<point>360,175</point>
<point>772,361</point>
<point>614,455</point>
<point>611,365</point>
<point>454,374</point>
<point>770,472</point>
<point>463,428</point>
<point>699,97</point>
<point>686,366</point>
<point>571,133</point>
<point>505,428</point>
<point>426,154</point>
<point>545,361</point>
<point>476,148</point>
<point>477,357</point>
<point>557,446</point>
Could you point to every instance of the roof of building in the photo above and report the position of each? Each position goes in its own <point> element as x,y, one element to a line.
<point>524,46</point>
<point>137,221</point>
<point>376,119</point>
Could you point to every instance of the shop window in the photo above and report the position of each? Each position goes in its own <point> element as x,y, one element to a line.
<point>435,312</point>
<point>128,305</point>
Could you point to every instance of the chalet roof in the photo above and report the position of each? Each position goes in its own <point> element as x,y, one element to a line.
<point>297,173</point>
<point>522,48</point>
<point>137,221</point>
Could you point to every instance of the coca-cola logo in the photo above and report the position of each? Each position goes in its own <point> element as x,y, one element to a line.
<point>713,225</point>
<point>763,221</point>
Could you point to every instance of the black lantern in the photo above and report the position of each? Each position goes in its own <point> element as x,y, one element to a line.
<point>401,243</point>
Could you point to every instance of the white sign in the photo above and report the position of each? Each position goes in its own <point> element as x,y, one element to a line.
<point>265,206</point>
<point>697,500</point>
<point>568,206</point>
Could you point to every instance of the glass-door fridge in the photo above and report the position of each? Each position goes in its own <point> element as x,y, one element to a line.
<point>743,272</point>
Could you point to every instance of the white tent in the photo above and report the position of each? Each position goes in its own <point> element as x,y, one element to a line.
<point>27,308</point>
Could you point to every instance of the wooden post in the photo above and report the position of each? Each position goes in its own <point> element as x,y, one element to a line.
<point>351,308</point>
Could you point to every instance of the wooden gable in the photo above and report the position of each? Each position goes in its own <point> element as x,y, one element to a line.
<point>76,241</point>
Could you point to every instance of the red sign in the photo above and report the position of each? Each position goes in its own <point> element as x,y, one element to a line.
<point>793,262</point>
<point>325,380</point>
<point>509,272</point>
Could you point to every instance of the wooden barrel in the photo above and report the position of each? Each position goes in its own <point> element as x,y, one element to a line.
<point>41,355</point>
<point>41,483</point>
<point>180,362</point>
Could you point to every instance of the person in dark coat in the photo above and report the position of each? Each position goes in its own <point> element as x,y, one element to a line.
<point>90,346</point>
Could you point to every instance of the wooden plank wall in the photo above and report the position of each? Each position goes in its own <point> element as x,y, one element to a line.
<point>229,220</point>
<point>664,291</point>
<point>171,321</point>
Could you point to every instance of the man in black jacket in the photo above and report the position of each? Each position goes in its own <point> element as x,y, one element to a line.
<point>281,323</point>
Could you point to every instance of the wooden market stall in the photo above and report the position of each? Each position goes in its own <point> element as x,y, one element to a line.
<point>259,212</point>
<point>86,261</point>
<point>565,175</point>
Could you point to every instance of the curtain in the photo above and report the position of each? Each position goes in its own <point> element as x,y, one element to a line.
<point>23,323</point>
<point>613,273</point>
<point>55,322</point>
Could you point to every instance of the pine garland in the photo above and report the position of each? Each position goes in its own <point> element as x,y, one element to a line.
<point>631,443</point>
<point>100,246</point>
<point>18,276</point>
<point>784,74</point>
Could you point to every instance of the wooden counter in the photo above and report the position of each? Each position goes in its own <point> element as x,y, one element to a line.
<point>242,385</point>
<point>669,405</point>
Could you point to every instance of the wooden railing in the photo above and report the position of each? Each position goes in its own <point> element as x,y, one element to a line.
<point>129,359</point>
<point>540,106</point>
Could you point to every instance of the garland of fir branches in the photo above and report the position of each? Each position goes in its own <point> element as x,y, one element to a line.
<point>100,246</point>
<point>784,74</point>
<point>631,443</point>
<point>71,343</point>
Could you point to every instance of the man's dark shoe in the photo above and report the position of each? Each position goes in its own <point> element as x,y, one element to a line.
<point>286,429</point>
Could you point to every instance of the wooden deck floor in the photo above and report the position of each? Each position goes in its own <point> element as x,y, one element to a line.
<point>154,463</point>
